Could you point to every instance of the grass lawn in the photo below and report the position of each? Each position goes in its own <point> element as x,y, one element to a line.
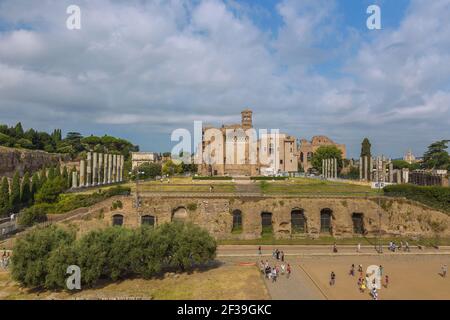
<point>315,187</point>
<point>225,282</point>
<point>164,187</point>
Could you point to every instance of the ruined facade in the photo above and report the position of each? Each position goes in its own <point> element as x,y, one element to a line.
<point>308,148</point>
<point>139,158</point>
<point>284,217</point>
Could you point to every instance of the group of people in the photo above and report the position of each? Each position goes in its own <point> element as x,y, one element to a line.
<point>364,280</point>
<point>272,273</point>
<point>402,246</point>
<point>4,261</point>
<point>279,255</point>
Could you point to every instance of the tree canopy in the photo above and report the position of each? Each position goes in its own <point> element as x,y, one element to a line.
<point>437,156</point>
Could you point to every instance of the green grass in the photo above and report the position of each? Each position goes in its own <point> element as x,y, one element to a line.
<point>186,188</point>
<point>316,187</point>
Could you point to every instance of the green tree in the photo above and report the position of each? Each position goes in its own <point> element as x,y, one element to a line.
<point>170,168</point>
<point>149,170</point>
<point>436,156</point>
<point>50,190</point>
<point>34,185</point>
<point>59,259</point>
<point>15,193</point>
<point>4,197</point>
<point>26,197</point>
<point>31,254</point>
<point>51,173</point>
<point>42,177</point>
<point>366,148</point>
<point>18,130</point>
<point>326,152</point>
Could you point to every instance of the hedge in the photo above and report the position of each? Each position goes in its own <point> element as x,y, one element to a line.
<point>434,196</point>
<point>268,178</point>
<point>212,178</point>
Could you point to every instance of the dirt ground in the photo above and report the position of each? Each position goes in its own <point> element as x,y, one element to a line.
<point>414,277</point>
<point>222,283</point>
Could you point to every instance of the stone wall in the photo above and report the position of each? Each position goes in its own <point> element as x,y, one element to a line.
<point>23,160</point>
<point>398,217</point>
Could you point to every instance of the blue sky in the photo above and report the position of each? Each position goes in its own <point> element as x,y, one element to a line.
<point>140,69</point>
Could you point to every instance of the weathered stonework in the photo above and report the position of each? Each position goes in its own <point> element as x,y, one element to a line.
<point>22,160</point>
<point>398,216</point>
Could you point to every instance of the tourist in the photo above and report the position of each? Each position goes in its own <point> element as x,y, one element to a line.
<point>400,247</point>
<point>277,254</point>
<point>282,256</point>
<point>352,270</point>
<point>274,253</point>
<point>274,274</point>
<point>360,268</point>
<point>332,278</point>
<point>444,270</point>
<point>335,250</point>
<point>386,281</point>
<point>362,287</point>
<point>407,246</point>
<point>259,250</point>
<point>380,270</point>
<point>358,248</point>
<point>374,293</point>
<point>283,269</point>
<point>288,269</point>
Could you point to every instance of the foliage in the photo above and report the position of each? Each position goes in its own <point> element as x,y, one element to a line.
<point>365,148</point>
<point>31,254</point>
<point>34,214</point>
<point>14,197</point>
<point>211,178</point>
<point>25,192</point>
<point>435,196</point>
<point>402,164</point>
<point>170,168</point>
<point>4,197</point>
<point>149,170</point>
<point>50,191</point>
<point>268,178</point>
<point>437,157</point>
<point>326,152</point>
<point>41,258</point>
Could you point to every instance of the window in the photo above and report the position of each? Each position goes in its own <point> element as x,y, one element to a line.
<point>325,221</point>
<point>237,221</point>
<point>358,223</point>
<point>117,220</point>
<point>266,223</point>
<point>298,221</point>
<point>148,220</point>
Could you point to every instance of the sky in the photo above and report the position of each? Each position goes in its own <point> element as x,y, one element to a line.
<point>141,69</point>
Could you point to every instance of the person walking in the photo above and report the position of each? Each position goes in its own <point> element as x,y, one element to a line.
<point>358,248</point>
<point>332,278</point>
<point>282,256</point>
<point>444,270</point>
<point>380,270</point>
<point>335,250</point>
<point>283,269</point>
<point>288,269</point>
<point>386,281</point>
<point>352,270</point>
<point>259,250</point>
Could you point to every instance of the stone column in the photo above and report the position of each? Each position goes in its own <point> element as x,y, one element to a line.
<point>99,169</point>
<point>335,169</point>
<point>95,169</point>
<point>74,180</point>
<point>122,163</point>
<point>323,168</point>
<point>114,168</point>
<point>89,169</point>
<point>391,172</point>
<point>109,168</point>
<point>360,168</point>
<point>82,173</point>
<point>326,169</point>
<point>105,168</point>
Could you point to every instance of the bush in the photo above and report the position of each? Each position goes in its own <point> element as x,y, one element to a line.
<point>50,190</point>
<point>435,196</point>
<point>212,178</point>
<point>31,254</point>
<point>268,178</point>
<point>34,214</point>
<point>41,258</point>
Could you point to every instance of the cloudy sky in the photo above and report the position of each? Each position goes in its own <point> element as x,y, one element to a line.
<point>140,69</point>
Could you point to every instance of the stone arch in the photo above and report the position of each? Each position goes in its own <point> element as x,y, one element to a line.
<point>117,220</point>
<point>301,157</point>
<point>237,221</point>
<point>266,222</point>
<point>326,216</point>
<point>298,221</point>
<point>148,220</point>
<point>179,214</point>
<point>358,222</point>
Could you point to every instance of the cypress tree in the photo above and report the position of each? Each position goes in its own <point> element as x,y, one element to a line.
<point>42,177</point>
<point>4,197</point>
<point>65,176</point>
<point>25,192</point>
<point>14,198</point>
<point>51,173</point>
<point>34,185</point>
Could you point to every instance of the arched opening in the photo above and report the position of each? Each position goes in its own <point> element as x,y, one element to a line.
<point>117,220</point>
<point>237,221</point>
<point>301,157</point>
<point>298,221</point>
<point>325,220</point>
<point>266,223</point>
<point>180,214</point>
<point>358,223</point>
<point>148,220</point>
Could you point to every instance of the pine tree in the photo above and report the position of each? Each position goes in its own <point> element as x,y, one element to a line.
<point>365,148</point>
<point>25,192</point>
<point>18,130</point>
<point>4,197</point>
<point>34,185</point>
<point>14,198</point>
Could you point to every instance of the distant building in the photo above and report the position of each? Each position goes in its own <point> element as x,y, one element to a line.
<point>308,148</point>
<point>409,157</point>
<point>138,158</point>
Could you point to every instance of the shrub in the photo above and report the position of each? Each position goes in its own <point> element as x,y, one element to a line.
<point>435,196</point>
<point>268,178</point>
<point>34,214</point>
<point>31,253</point>
<point>212,178</point>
